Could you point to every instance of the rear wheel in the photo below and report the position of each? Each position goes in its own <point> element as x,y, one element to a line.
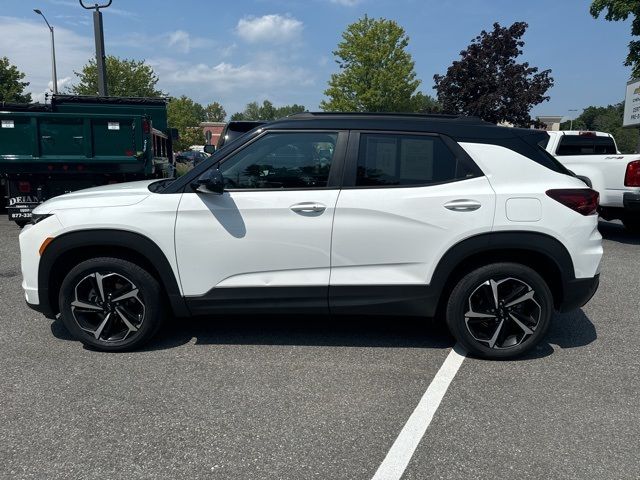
<point>111,304</point>
<point>500,310</point>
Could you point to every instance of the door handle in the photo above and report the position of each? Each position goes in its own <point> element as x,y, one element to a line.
<point>308,207</point>
<point>463,205</point>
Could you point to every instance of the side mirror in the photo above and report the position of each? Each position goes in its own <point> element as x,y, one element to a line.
<point>209,182</point>
<point>210,149</point>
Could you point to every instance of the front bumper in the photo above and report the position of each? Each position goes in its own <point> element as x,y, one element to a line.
<point>578,292</point>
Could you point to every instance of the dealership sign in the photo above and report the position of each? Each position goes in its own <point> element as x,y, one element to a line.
<point>632,104</point>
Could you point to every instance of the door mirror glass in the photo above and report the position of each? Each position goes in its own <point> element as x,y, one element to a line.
<point>210,149</point>
<point>209,182</point>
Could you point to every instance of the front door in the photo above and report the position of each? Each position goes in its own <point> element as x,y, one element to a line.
<point>266,242</point>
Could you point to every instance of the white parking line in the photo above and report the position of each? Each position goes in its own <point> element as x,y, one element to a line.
<point>397,459</point>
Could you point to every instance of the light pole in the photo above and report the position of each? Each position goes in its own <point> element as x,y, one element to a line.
<point>98,33</point>
<point>54,75</point>
<point>571,125</point>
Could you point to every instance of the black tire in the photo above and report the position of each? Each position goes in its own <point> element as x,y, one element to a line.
<point>143,309</point>
<point>474,294</point>
<point>632,225</point>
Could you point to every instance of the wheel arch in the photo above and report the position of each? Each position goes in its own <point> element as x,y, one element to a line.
<point>69,249</point>
<point>541,252</point>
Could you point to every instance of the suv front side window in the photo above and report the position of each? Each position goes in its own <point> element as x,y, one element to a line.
<point>282,160</point>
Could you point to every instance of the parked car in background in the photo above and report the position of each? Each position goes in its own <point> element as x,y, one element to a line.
<point>409,215</point>
<point>236,129</point>
<point>594,157</point>
<point>191,157</point>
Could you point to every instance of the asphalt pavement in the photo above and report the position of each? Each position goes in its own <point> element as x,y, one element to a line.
<point>317,398</point>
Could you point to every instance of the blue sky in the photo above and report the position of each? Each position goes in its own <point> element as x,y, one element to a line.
<point>238,51</point>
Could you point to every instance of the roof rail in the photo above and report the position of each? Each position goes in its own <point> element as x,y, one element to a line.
<point>432,116</point>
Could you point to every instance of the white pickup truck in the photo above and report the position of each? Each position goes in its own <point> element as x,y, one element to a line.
<point>594,157</point>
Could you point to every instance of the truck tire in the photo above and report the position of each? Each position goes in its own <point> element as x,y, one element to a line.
<point>111,304</point>
<point>500,311</point>
<point>632,225</point>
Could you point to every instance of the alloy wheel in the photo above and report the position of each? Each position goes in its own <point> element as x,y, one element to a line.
<point>502,313</point>
<point>108,306</point>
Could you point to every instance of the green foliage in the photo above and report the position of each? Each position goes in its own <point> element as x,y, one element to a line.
<point>376,72</point>
<point>214,112</point>
<point>609,120</point>
<point>426,104</point>
<point>488,82</point>
<point>621,10</point>
<point>266,111</point>
<point>186,115</point>
<point>11,84</point>
<point>125,78</point>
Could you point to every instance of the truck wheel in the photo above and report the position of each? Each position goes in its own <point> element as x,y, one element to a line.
<point>500,311</point>
<point>21,223</point>
<point>111,304</point>
<point>632,225</point>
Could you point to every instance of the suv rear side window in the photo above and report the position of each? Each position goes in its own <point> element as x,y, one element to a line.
<point>282,160</point>
<point>404,159</point>
<point>586,145</point>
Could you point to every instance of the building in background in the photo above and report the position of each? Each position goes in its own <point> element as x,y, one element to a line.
<point>212,131</point>
<point>551,122</point>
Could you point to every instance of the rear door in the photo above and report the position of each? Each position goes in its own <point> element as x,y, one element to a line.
<point>406,200</point>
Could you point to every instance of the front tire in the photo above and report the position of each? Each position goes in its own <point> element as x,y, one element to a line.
<point>500,311</point>
<point>111,304</point>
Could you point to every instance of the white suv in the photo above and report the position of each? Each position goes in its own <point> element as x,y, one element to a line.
<point>398,215</point>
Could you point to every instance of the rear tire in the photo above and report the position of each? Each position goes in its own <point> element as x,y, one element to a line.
<point>111,304</point>
<point>500,311</point>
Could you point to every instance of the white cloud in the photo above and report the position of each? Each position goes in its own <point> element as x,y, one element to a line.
<point>27,44</point>
<point>346,3</point>
<point>269,28</point>
<point>184,42</point>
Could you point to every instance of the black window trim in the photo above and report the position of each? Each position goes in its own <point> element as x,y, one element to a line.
<point>335,173</point>
<point>351,163</point>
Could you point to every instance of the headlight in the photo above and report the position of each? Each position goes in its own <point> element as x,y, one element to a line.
<point>38,217</point>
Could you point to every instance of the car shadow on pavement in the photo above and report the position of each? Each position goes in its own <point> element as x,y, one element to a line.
<point>567,330</point>
<point>616,232</point>
<point>295,330</point>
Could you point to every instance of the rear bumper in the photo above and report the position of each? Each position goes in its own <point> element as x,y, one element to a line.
<point>631,202</point>
<point>578,292</point>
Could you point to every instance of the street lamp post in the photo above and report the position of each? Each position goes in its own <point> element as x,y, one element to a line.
<point>54,75</point>
<point>571,125</point>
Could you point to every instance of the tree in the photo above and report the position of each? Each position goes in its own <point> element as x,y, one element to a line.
<point>266,111</point>
<point>214,112</point>
<point>376,72</point>
<point>11,84</point>
<point>607,119</point>
<point>621,10</point>
<point>185,115</point>
<point>488,82</point>
<point>426,104</point>
<point>125,78</point>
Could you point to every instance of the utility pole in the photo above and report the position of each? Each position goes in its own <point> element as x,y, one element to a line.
<point>98,32</point>
<point>54,74</point>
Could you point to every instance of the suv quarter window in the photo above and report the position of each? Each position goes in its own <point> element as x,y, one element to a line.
<point>283,160</point>
<point>407,159</point>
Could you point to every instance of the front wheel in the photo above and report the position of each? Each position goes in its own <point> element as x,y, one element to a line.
<point>500,311</point>
<point>111,304</point>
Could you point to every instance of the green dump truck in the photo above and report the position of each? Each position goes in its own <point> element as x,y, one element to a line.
<point>77,142</point>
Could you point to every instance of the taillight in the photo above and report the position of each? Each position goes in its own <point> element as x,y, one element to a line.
<point>146,126</point>
<point>581,200</point>
<point>632,177</point>
<point>24,187</point>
